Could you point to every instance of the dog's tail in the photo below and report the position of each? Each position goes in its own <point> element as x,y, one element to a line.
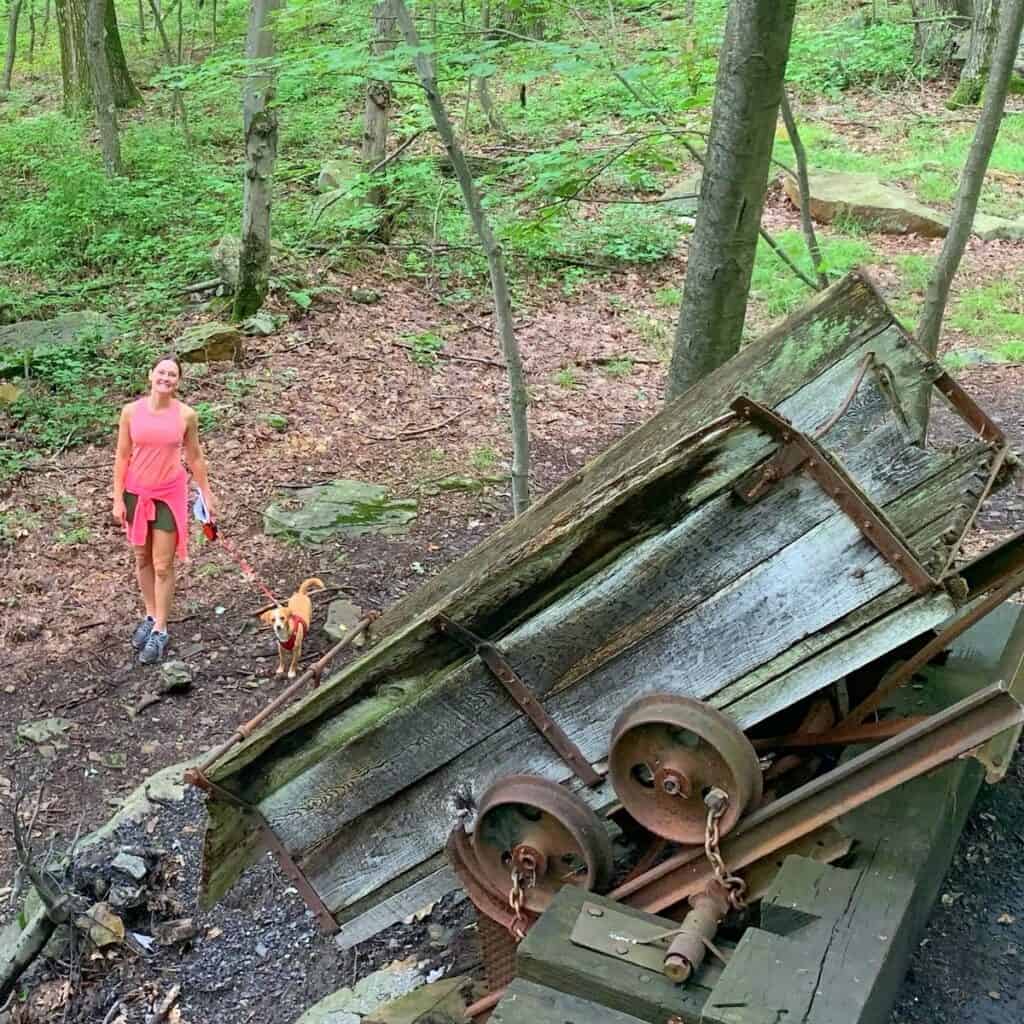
<point>306,584</point>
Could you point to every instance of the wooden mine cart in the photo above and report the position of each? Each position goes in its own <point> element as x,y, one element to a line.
<point>617,690</point>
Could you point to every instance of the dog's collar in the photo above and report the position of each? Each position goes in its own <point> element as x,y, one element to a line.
<point>294,621</point>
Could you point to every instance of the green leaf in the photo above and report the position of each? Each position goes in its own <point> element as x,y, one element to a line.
<point>301,299</point>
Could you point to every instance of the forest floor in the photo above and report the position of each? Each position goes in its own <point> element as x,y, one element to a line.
<point>359,406</point>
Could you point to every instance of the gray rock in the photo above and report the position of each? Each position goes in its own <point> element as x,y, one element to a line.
<point>364,296</point>
<point>130,865</point>
<point>124,896</point>
<point>336,174</point>
<point>21,342</point>
<point>991,229</point>
<point>866,199</point>
<point>45,730</point>
<point>225,256</point>
<point>262,324</point>
<point>342,617</point>
<point>176,677</point>
<point>315,515</point>
<point>439,936</point>
<point>350,1005</point>
<point>688,192</point>
<point>207,343</point>
<point>170,933</point>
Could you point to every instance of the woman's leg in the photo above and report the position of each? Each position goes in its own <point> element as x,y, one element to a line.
<point>144,573</point>
<point>165,544</point>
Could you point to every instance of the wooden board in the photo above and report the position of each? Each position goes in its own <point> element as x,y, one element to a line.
<point>547,957</point>
<point>643,572</point>
<point>528,1003</point>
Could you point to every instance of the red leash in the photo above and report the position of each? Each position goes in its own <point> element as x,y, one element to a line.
<point>211,532</point>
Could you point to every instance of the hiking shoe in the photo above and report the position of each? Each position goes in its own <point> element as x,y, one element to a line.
<point>156,644</point>
<point>142,631</point>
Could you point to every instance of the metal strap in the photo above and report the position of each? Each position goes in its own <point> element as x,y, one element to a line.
<point>523,696</point>
<point>799,451</point>
<point>272,843</point>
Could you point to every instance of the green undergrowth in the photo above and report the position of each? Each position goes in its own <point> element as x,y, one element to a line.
<point>595,100</point>
<point>777,291</point>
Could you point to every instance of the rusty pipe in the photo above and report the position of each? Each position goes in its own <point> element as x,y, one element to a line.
<point>688,949</point>
<point>246,729</point>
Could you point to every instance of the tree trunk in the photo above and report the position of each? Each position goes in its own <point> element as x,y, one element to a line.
<point>984,29</point>
<point>165,44</point>
<point>378,100</point>
<point>483,88</point>
<point>46,24</point>
<point>71,18</point>
<point>971,180</point>
<point>31,31</point>
<point>13,13</point>
<point>747,94</point>
<point>102,87</point>
<point>805,190</point>
<point>142,23</point>
<point>260,123</point>
<point>935,22</point>
<point>495,263</point>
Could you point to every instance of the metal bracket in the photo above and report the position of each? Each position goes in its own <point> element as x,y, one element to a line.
<point>630,939</point>
<point>499,667</point>
<point>799,452</point>
<point>969,410</point>
<point>272,843</point>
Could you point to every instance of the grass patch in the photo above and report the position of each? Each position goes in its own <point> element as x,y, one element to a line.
<point>993,314</point>
<point>778,291</point>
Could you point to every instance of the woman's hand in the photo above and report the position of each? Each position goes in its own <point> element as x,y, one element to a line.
<point>211,505</point>
<point>119,512</point>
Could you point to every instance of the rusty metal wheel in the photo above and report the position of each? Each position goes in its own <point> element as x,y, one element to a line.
<point>667,752</point>
<point>549,837</point>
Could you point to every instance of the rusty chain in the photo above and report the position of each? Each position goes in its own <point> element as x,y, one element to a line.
<point>717,802</point>
<point>516,900</point>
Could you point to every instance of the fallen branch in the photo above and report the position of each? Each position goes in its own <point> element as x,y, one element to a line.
<point>454,357</point>
<point>164,1006</point>
<point>406,434</point>
<point>200,286</point>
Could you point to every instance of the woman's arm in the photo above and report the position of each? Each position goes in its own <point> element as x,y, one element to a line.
<point>194,458</point>
<point>122,456</point>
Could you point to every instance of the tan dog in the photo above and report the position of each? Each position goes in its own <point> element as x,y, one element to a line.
<point>291,624</point>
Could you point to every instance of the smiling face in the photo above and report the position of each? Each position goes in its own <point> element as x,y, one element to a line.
<point>164,377</point>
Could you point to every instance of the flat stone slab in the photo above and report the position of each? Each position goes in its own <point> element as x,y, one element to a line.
<point>350,1005</point>
<point>866,199</point>
<point>317,514</point>
<point>21,341</point>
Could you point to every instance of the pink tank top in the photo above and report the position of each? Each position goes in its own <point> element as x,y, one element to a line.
<point>156,442</point>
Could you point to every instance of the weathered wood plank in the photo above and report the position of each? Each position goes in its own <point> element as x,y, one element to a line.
<point>399,905</point>
<point>547,957</point>
<point>539,544</point>
<point>525,1002</point>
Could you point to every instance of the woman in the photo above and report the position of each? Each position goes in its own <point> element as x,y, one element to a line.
<point>151,495</point>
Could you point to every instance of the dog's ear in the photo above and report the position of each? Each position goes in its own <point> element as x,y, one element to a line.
<point>267,616</point>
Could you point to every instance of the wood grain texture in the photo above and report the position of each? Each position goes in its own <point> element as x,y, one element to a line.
<point>525,1002</point>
